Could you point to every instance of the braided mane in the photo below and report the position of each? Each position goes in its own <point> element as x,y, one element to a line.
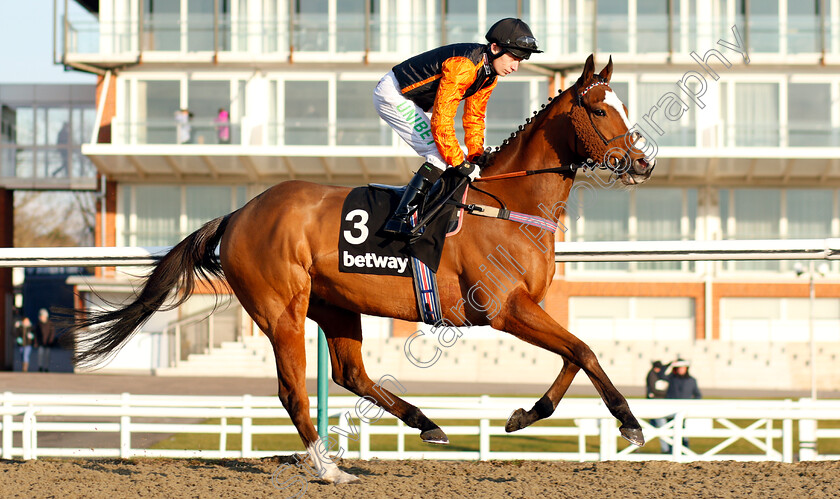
<point>489,154</point>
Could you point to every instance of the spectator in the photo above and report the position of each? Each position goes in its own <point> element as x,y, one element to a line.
<point>24,337</point>
<point>45,339</point>
<point>183,126</point>
<point>681,385</point>
<point>223,126</point>
<point>657,385</point>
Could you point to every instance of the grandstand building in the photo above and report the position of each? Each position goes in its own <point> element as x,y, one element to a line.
<point>742,99</point>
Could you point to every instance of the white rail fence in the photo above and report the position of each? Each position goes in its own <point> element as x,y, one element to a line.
<point>766,426</point>
<point>602,251</point>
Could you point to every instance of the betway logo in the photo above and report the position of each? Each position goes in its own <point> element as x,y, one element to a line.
<point>373,261</point>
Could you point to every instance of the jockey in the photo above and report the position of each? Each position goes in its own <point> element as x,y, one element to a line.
<point>437,81</point>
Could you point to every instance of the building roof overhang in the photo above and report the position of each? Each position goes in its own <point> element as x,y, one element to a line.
<point>353,165</point>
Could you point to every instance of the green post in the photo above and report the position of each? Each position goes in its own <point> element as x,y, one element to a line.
<point>323,380</point>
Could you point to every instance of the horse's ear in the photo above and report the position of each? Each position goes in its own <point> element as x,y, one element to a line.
<point>588,69</point>
<point>606,73</point>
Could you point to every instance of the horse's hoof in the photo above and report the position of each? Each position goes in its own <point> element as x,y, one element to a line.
<point>336,476</point>
<point>516,421</point>
<point>345,478</point>
<point>632,435</point>
<point>434,436</point>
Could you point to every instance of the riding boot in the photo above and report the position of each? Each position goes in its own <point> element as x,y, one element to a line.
<point>415,194</point>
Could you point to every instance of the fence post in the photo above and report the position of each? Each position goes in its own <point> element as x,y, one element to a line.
<point>26,436</point>
<point>223,436</point>
<point>807,434</point>
<point>125,427</point>
<point>787,433</point>
<point>484,439</point>
<point>246,426</point>
<point>677,446</point>
<point>364,439</point>
<point>606,428</point>
<point>7,427</point>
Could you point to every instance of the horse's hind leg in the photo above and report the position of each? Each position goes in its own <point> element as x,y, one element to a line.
<point>527,321</point>
<point>343,330</point>
<point>285,329</point>
<point>547,404</point>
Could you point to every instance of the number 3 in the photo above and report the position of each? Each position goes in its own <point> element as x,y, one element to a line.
<point>360,226</point>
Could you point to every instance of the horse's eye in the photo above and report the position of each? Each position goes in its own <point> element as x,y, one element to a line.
<point>600,112</point>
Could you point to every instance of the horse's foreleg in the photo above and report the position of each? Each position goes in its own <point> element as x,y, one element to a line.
<point>343,330</point>
<point>285,329</point>
<point>526,320</point>
<point>547,404</point>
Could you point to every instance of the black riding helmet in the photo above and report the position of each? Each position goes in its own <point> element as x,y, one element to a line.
<point>514,36</point>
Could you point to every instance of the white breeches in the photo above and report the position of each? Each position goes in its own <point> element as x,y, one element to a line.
<point>407,119</point>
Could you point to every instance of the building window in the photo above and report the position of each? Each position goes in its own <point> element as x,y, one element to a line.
<point>611,318</point>
<point>650,214</point>
<point>809,118</point>
<point>162,215</point>
<point>756,115</point>
<point>803,27</point>
<point>306,109</point>
<point>676,132</point>
<point>162,25</point>
<point>158,101</point>
<point>613,29</point>
<point>357,122</point>
<point>311,26</point>
<point>775,214</point>
<point>769,320</point>
<point>157,210</point>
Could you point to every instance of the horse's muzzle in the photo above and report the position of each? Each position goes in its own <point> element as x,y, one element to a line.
<point>640,171</point>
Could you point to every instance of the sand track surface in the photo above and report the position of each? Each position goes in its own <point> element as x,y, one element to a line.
<point>426,479</point>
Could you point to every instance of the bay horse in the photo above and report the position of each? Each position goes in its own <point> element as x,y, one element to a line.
<point>279,255</point>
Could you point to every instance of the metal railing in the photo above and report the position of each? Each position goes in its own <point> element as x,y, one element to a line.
<point>766,426</point>
<point>201,332</point>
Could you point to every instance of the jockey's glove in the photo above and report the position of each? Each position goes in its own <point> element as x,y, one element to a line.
<point>468,170</point>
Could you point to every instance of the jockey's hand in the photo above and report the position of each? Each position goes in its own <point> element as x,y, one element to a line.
<point>468,170</point>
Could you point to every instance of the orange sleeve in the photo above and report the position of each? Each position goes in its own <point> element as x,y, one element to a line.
<point>475,110</point>
<point>458,73</point>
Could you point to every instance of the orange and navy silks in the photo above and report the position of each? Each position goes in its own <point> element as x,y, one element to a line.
<point>440,79</point>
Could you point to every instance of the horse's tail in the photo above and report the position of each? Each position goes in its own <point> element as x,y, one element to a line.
<point>98,335</point>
